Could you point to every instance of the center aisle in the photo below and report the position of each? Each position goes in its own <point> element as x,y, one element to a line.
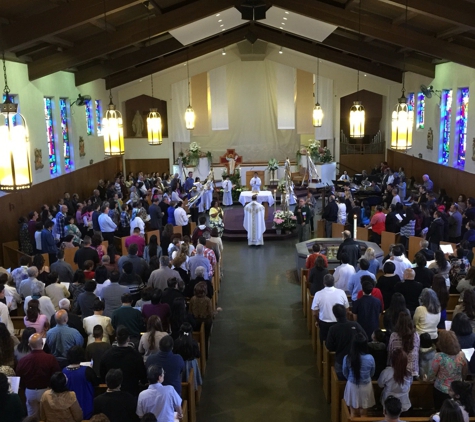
<point>261,365</point>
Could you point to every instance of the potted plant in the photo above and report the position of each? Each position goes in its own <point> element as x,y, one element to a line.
<point>284,220</point>
<point>273,166</point>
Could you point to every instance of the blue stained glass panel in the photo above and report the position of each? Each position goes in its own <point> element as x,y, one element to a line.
<point>53,165</point>
<point>63,106</point>
<point>445,124</point>
<point>462,122</point>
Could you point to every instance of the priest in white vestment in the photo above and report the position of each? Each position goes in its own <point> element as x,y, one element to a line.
<point>227,192</point>
<point>256,183</point>
<point>254,222</point>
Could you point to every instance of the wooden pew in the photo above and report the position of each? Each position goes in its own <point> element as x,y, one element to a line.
<point>337,230</point>
<point>346,416</point>
<point>69,257</point>
<point>151,233</point>
<point>310,319</point>
<point>362,233</point>
<point>453,302</point>
<point>414,247</point>
<point>303,285</point>
<point>320,232</point>
<point>188,394</point>
<point>178,229</point>
<point>122,245</point>
<point>12,254</point>
<point>328,361</point>
<point>319,350</point>
<point>200,338</point>
<point>388,239</point>
<point>420,395</point>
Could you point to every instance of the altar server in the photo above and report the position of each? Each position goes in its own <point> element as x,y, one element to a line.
<point>227,192</point>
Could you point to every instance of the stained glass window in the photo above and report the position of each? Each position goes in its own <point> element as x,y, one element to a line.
<point>445,123</point>
<point>63,106</point>
<point>89,118</point>
<point>411,101</point>
<point>462,120</point>
<point>421,110</point>
<point>98,107</point>
<point>53,167</point>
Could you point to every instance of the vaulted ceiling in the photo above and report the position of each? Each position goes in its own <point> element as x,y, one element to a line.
<point>123,40</point>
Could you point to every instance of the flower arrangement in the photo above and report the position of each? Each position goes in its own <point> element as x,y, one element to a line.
<point>273,165</point>
<point>317,153</point>
<point>193,154</point>
<point>284,220</point>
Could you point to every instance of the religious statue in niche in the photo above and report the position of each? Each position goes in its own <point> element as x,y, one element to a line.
<point>38,159</point>
<point>137,124</point>
<point>473,149</point>
<point>430,139</point>
<point>230,159</point>
<point>82,147</point>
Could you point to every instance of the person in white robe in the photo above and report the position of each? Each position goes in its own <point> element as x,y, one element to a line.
<point>254,222</point>
<point>227,192</point>
<point>256,183</point>
<point>207,196</point>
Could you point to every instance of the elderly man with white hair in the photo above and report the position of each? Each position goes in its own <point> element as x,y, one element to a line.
<point>199,260</point>
<point>74,321</point>
<point>159,278</point>
<point>26,285</point>
<point>46,305</point>
<point>62,337</point>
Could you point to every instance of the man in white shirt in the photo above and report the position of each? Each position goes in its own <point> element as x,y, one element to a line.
<point>322,305</point>
<point>343,273</point>
<point>108,227</point>
<point>181,218</point>
<point>161,400</point>
<point>254,222</point>
<point>344,177</point>
<point>396,197</point>
<point>256,183</point>
<point>4,312</point>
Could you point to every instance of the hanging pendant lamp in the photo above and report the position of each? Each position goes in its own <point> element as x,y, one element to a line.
<point>317,119</point>
<point>113,130</point>
<point>189,113</point>
<point>15,169</point>
<point>357,111</point>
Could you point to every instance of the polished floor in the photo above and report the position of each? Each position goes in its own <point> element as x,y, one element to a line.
<point>261,365</point>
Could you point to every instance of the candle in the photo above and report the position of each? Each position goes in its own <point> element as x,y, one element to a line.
<point>275,200</point>
<point>355,227</point>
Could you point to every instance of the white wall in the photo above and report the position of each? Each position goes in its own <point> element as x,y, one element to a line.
<point>59,85</point>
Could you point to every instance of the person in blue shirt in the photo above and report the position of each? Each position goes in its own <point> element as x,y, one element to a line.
<point>171,213</point>
<point>354,284</point>
<point>188,185</point>
<point>48,244</point>
<point>358,368</point>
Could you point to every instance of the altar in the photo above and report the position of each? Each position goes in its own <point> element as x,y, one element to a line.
<point>264,197</point>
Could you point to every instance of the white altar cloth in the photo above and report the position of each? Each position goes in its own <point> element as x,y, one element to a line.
<point>262,196</point>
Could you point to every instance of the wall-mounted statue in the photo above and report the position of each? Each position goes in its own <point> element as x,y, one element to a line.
<point>430,139</point>
<point>82,147</point>
<point>38,159</point>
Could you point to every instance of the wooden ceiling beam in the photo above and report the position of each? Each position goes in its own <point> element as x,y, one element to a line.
<point>126,35</point>
<point>126,61</point>
<point>173,59</point>
<point>458,12</point>
<point>323,52</point>
<point>402,18</point>
<point>380,55</point>
<point>59,19</point>
<point>381,30</point>
<point>452,32</point>
<point>99,23</point>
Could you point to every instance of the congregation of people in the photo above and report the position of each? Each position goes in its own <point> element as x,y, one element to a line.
<point>124,321</point>
<point>386,320</point>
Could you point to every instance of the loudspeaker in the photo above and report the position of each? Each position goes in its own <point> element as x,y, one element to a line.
<point>251,12</point>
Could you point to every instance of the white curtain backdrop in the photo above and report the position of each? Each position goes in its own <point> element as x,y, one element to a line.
<point>219,98</point>
<point>252,105</point>
<point>325,98</point>
<point>286,77</point>
<point>179,105</point>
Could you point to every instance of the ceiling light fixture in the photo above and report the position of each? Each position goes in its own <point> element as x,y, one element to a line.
<point>357,111</point>
<point>223,52</point>
<point>189,113</point>
<point>402,120</point>
<point>280,51</point>
<point>15,170</point>
<point>317,118</point>
<point>154,120</point>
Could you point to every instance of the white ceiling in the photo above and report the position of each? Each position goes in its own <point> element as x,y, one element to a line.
<point>275,17</point>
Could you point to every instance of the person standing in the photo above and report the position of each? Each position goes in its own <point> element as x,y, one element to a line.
<point>351,247</point>
<point>35,371</point>
<point>302,212</point>
<point>455,224</point>
<point>181,218</point>
<point>330,215</point>
<point>367,309</point>
<point>377,225</point>
<point>254,222</point>
<point>227,192</point>
<point>107,226</point>
<point>48,244</point>
<point>156,215</point>
<point>255,183</point>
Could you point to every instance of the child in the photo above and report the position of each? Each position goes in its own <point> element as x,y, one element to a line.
<point>89,270</point>
<point>378,349</point>
<point>358,368</point>
<point>426,354</point>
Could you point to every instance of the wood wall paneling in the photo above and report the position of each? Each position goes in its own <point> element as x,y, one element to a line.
<point>454,181</point>
<point>162,165</point>
<point>82,182</point>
